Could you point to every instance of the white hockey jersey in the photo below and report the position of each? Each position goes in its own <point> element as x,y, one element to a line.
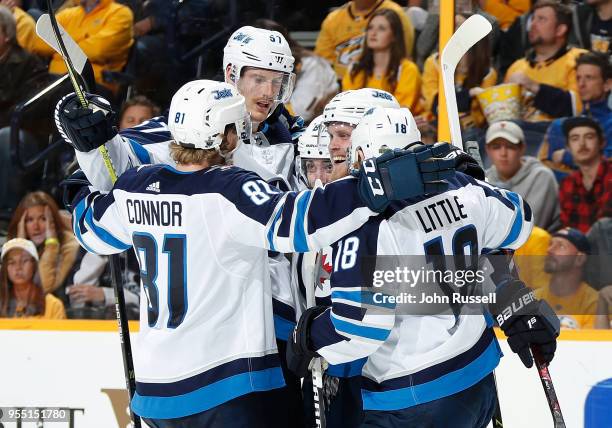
<point>149,143</point>
<point>413,359</point>
<point>206,326</point>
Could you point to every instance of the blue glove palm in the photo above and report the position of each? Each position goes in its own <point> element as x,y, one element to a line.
<point>404,174</point>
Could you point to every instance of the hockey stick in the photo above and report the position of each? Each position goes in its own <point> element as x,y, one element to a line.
<point>549,390</point>
<point>46,26</point>
<point>475,28</point>
<point>316,366</point>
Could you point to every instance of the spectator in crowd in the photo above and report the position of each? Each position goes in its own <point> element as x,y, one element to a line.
<point>26,27</point>
<point>525,175</point>
<point>505,11</point>
<point>586,194</point>
<point>574,301</point>
<point>343,30</point>
<point>136,110</point>
<point>547,73</point>
<point>603,319</point>
<point>383,63</point>
<point>529,259</point>
<point>20,295</point>
<point>21,73</point>
<point>599,268</point>
<point>91,294</point>
<point>474,70</point>
<point>316,81</point>
<point>594,76</point>
<point>593,25</point>
<point>37,218</point>
<point>427,41</point>
<point>102,28</point>
<point>514,43</point>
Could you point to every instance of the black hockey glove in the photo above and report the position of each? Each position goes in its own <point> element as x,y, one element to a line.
<point>299,352</point>
<point>466,163</point>
<point>404,174</point>
<point>526,321</point>
<point>71,186</point>
<point>85,129</point>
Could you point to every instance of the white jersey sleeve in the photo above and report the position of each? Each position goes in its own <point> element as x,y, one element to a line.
<point>147,143</point>
<point>251,212</point>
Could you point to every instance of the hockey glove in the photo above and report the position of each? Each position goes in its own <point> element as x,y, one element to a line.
<point>526,321</point>
<point>71,186</point>
<point>404,174</point>
<point>299,349</point>
<point>85,129</point>
<point>466,163</point>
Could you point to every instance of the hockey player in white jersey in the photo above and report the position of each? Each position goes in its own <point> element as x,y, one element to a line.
<point>259,64</point>
<point>206,354</point>
<point>424,370</point>
<point>342,114</point>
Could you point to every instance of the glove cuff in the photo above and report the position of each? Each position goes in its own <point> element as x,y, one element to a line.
<point>303,327</point>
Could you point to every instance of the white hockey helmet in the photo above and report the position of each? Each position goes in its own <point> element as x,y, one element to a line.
<point>257,47</point>
<point>383,129</point>
<point>202,109</point>
<point>313,144</point>
<point>350,106</point>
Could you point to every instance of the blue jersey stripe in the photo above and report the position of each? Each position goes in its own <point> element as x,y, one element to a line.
<point>215,374</point>
<point>208,396</point>
<point>78,213</point>
<point>374,333</point>
<point>517,226</point>
<point>443,386</point>
<point>362,297</point>
<point>141,153</point>
<point>300,243</point>
<point>350,369</point>
<point>103,234</point>
<point>282,328</point>
<point>271,230</point>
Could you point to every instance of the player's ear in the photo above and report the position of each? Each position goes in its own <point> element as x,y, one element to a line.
<point>360,158</point>
<point>229,75</point>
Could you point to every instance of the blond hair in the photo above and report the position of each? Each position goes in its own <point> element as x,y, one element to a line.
<point>184,155</point>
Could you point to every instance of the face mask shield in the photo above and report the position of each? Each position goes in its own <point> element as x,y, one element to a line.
<point>312,170</point>
<point>266,85</point>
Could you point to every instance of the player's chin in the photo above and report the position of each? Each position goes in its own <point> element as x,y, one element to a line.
<point>339,170</point>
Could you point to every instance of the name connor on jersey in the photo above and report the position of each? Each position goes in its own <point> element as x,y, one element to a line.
<point>155,213</point>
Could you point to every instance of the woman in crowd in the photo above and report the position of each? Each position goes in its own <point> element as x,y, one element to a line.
<point>474,70</point>
<point>20,296</point>
<point>37,218</point>
<point>383,64</point>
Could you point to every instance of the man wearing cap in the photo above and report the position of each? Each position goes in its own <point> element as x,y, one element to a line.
<point>573,300</point>
<point>525,175</point>
<point>585,195</point>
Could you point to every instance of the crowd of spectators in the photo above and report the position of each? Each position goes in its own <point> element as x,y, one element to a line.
<point>551,58</point>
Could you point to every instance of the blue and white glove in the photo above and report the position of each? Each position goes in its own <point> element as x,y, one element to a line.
<point>403,174</point>
<point>85,129</point>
